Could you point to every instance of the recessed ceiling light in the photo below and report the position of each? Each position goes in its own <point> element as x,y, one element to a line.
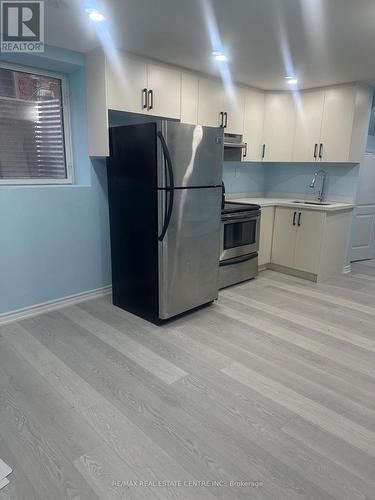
<point>219,56</point>
<point>95,15</point>
<point>291,80</point>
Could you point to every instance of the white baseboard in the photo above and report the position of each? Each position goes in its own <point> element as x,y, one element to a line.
<point>347,269</point>
<point>52,305</point>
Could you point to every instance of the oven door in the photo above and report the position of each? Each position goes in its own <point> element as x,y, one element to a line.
<point>239,235</point>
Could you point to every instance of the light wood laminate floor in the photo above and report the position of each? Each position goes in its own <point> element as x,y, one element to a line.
<point>273,387</point>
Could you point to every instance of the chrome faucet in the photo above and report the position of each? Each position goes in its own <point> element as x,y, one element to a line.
<point>321,194</point>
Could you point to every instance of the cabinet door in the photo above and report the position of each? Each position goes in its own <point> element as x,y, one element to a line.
<point>308,241</point>
<point>337,123</point>
<point>279,124</point>
<point>210,102</point>
<point>166,86</point>
<point>309,116</point>
<point>189,98</point>
<point>266,232</point>
<point>284,237</point>
<point>253,124</point>
<point>125,84</point>
<point>234,106</point>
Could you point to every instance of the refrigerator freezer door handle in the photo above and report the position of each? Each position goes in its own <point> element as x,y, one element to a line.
<point>170,188</point>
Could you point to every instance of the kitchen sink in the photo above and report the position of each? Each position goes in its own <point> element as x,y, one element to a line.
<point>311,202</point>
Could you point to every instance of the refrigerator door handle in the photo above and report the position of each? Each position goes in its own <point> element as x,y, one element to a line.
<point>169,189</point>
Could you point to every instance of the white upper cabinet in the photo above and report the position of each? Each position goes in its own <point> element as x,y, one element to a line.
<point>233,107</point>
<point>253,124</point>
<point>136,86</point>
<point>332,123</point>
<point>220,106</point>
<point>210,103</point>
<point>309,116</point>
<point>325,125</point>
<point>345,123</point>
<point>127,84</point>
<point>164,91</point>
<point>337,123</point>
<point>279,125</point>
<point>189,98</point>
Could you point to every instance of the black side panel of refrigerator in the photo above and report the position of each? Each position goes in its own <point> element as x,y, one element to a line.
<point>133,211</point>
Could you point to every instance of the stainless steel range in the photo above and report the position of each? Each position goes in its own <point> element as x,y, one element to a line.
<point>240,225</point>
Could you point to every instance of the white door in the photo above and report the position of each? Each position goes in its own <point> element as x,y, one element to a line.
<point>234,107</point>
<point>253,124</point>
<point>165,84</point>
<point>189,98</point>
<point>284,237</point>
<point>337,125</point>
<point>210,104</point>
<point>126,81</point>
<point>308,240</point>
<point>309,115</point>
<point>364,219</point>
<point>279,124</point>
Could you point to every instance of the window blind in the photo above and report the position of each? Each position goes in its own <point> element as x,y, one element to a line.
<point>32,142</point>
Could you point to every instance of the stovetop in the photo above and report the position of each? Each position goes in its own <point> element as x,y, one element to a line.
<point>232,207</point>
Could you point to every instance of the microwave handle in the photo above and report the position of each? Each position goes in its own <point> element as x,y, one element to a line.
<point>169,189</point>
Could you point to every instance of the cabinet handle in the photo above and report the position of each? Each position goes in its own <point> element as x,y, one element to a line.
<point>315,151</point>
<point>226,119</point>
<point>144,99</point>
<point>150,99</point>
<point>321,151</point>
<point>294,218</point>
<point>299,219</point>
<point>245,151</point>
<point>221,119</point>
<point>263,151</point>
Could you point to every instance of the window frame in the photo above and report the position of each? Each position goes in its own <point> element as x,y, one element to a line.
<point>66,126</point>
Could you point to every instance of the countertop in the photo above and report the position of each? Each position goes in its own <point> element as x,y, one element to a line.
<point>283,202</point>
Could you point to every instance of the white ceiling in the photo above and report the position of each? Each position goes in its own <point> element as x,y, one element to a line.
<point>321,41</point>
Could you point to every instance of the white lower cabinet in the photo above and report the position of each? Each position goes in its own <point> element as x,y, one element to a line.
<point>297,239</point>
<point>309,233</point>
<point>266,233</point>
<point>310,243</point>
<point>284,237</point>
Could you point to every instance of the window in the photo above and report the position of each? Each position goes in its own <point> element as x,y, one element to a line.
<point>34,140</point>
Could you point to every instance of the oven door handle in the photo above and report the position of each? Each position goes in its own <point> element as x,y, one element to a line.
<point>244,218</point>
<point>238,260</point>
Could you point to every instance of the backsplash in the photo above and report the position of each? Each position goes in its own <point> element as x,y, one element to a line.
<point>240,177</point>
<point>284,178</point>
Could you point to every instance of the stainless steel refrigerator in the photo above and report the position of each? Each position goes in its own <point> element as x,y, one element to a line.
<point>164,186</point>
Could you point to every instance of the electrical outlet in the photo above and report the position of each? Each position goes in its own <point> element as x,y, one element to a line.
<point>237,172</point>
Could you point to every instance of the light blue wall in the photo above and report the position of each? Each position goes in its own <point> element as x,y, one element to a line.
<point>54,240</point>
<point>290,178</point>
<point>244,177</point>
